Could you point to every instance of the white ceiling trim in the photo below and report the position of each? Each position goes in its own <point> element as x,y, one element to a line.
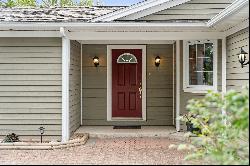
<point>142,36</point>
<point>237,28</point>
<point>155,9</point>
<point>231,9</point>
<point>133,9</point>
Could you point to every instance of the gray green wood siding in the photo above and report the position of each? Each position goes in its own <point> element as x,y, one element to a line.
<point>159,86</point>
<point>198,10</point>
<point>30,86</point>
<point>75,86</point>
<point>237,77</point>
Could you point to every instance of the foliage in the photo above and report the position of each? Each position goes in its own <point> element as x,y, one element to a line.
<point>49,3</point>
<point>11,138</point>
<point>224,137</point>
<point>64,3</point>
<point>45,3</point>
<point>25,3</point>
<point>85,3</point>
<point>190,126</point>
<point>7,3</point>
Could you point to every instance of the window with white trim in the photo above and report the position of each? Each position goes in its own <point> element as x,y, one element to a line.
<point>200,66</point>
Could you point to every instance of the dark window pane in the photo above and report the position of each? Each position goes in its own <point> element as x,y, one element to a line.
<point>192,64</point>
<point>201,64</point>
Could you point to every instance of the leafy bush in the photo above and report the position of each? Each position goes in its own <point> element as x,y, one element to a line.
<point>11,138</point>
<point>224,124</point>
<point>45,3</point>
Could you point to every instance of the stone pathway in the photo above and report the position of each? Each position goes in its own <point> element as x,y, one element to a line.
<point>102,151</point>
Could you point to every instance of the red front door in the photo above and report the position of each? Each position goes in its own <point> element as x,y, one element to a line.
<point>126,83</point>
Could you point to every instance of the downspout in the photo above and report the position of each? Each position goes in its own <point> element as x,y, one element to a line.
<point>65,85</point>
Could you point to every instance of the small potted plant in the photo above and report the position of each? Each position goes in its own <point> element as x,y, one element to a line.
<point>11,138</point>
<point>190,126</point>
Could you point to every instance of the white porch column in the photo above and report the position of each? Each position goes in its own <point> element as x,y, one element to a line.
<point>178,70</point>
<point>224,71</point>
<point>65,88</point>
<point>224,67</point>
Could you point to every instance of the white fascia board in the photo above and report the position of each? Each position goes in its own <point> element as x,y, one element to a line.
<point>129,10</point>
<point>231,9</point>
<point>29,34</point>
<point>44,28</point>
<point>155,9</point>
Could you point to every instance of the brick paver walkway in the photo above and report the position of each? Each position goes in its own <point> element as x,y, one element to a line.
<point>102,151</point>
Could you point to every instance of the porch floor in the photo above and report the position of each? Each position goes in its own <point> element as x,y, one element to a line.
<point>145,131</point>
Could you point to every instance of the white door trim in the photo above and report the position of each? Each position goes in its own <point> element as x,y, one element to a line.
<point>109,80</point>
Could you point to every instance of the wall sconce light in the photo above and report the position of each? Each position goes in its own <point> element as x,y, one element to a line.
<point>157,61</point>
<point>96,61</point>
<point>242,57</point>
<point>41,132</point>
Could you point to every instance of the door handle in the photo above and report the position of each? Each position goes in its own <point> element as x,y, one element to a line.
<point>140,90</point>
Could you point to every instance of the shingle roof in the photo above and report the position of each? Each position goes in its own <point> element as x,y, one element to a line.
<point>55,14</point>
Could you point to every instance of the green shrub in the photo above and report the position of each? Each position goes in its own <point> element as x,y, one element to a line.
<point>224,124</point>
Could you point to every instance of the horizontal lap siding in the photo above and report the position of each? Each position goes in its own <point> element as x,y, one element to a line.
<point>30,86</point>
<point>75,86</point>
<point>94,84</point>
<point>237,77</point>
<point>198,10</point>
<point>159,87</point>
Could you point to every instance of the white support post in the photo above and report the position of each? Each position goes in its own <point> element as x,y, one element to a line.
<point>81,89</point>
<point>178,85</point>
<point>224,67</point>
<point>65,88</point>
<point>224,71</point>
<point>174,84</point>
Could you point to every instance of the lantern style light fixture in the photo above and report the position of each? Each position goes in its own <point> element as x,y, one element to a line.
<point>242,57</point>
<point>41,132</point>
<point>157,61</point>
<point>96,61</point>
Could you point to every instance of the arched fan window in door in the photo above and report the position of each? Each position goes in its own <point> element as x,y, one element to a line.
<point>126,58</point>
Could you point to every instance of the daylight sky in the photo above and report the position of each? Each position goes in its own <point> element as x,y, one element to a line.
<point>119,2</point>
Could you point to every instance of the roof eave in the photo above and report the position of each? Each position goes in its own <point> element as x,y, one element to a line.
<point>227,12</point>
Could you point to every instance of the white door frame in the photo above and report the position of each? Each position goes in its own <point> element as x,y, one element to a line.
<point>109,81</point>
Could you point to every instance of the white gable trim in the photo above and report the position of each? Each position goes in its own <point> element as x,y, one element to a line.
<point>134,9</point>
<point>155,9</point>
<point>231,9</point>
